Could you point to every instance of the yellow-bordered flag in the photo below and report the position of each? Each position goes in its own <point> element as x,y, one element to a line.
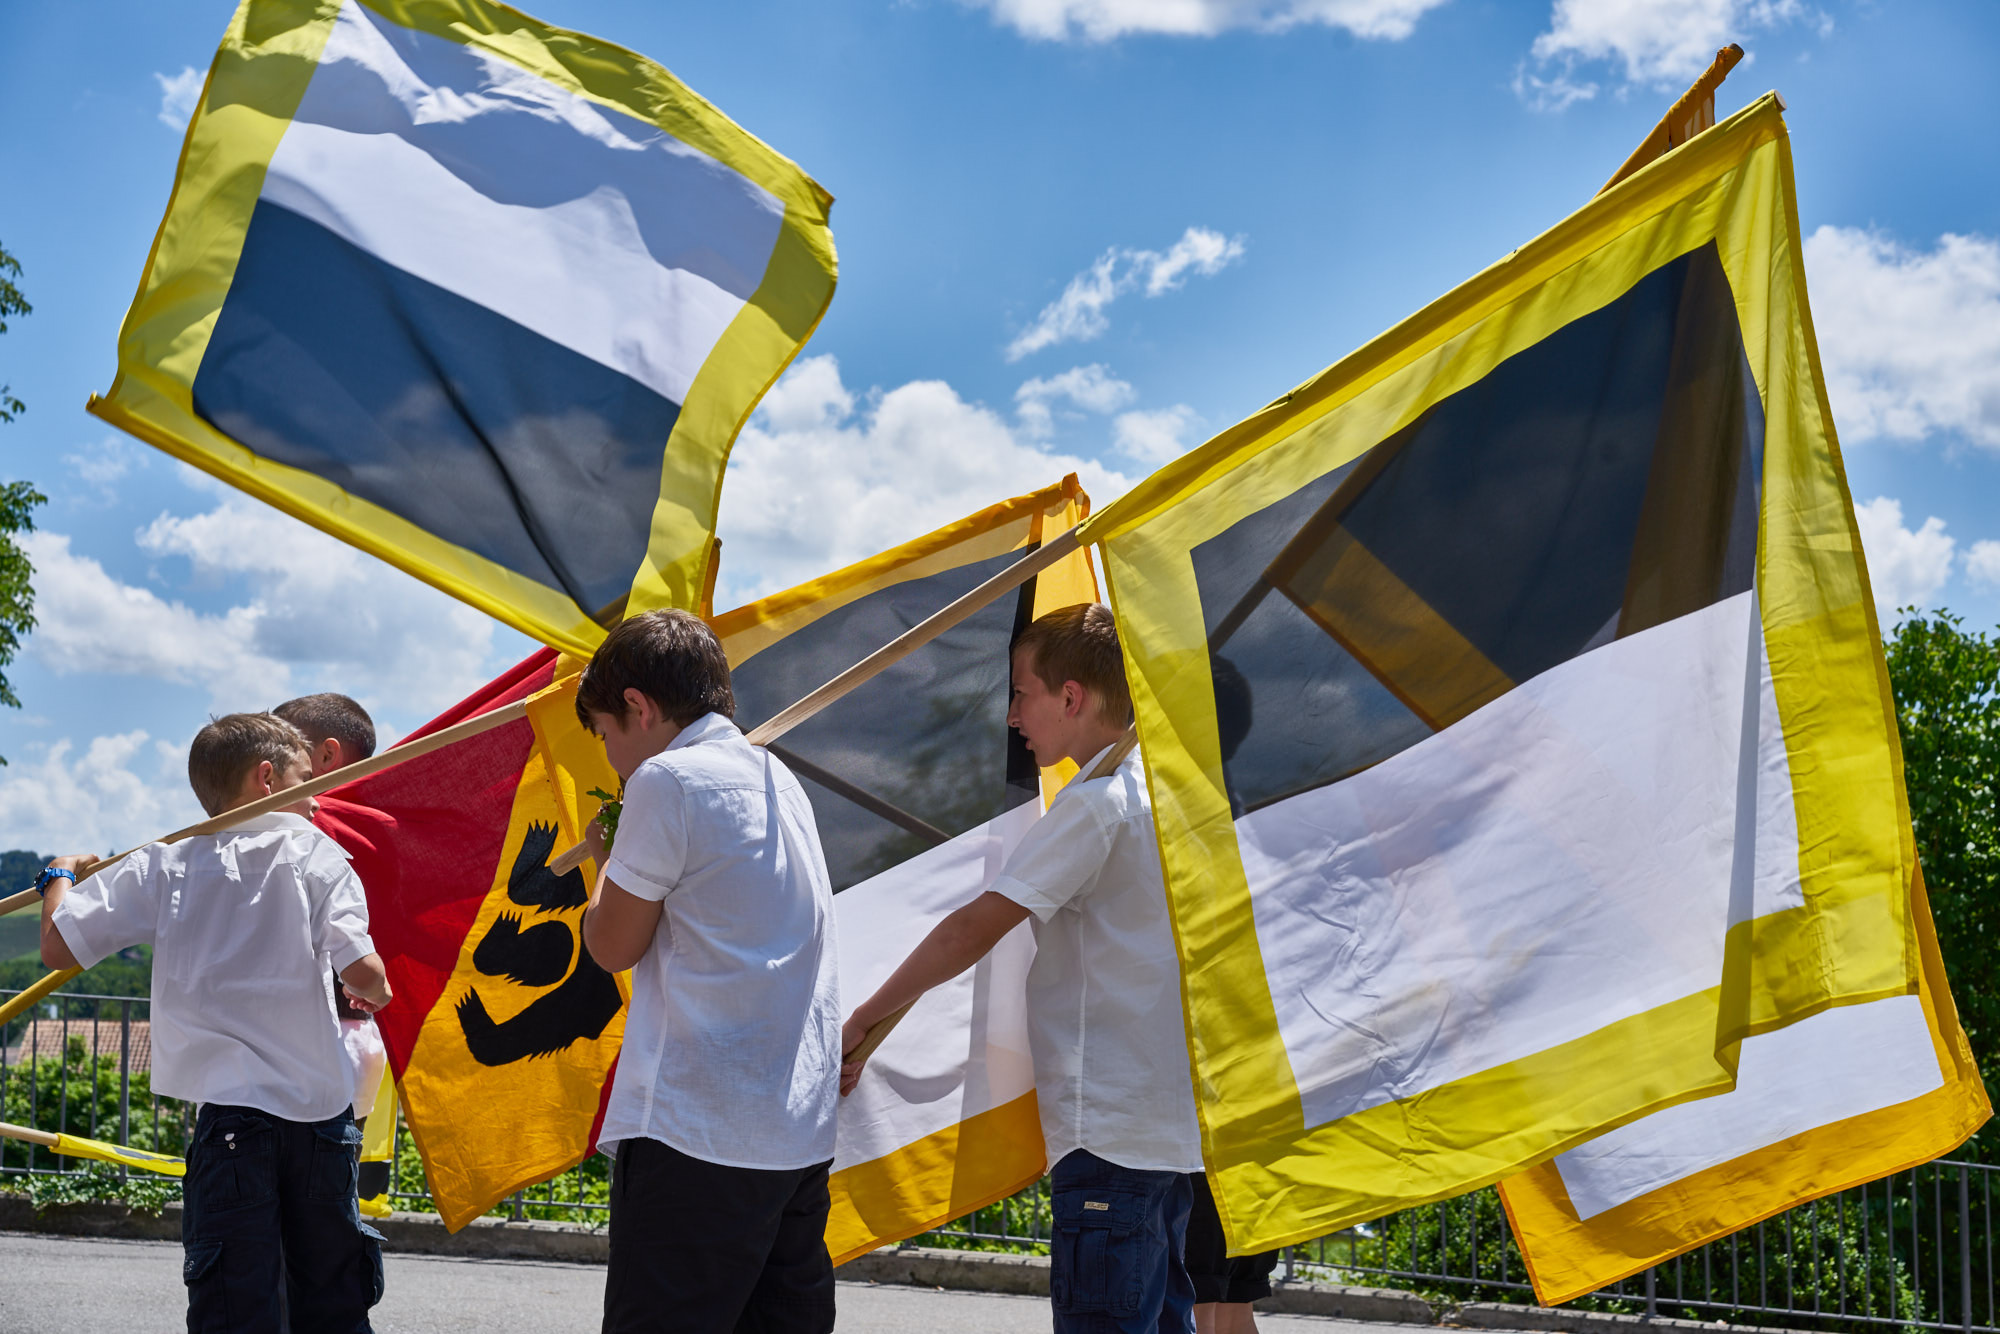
<point>485,297</point>
<point>1514,711</point>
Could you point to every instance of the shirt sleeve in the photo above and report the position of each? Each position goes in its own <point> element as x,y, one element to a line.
<point>1060,855</point>
<point>117,908</point>
<point>342,918</point>
<point>650,853</point>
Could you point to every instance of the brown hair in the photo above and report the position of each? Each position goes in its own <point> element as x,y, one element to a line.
<point>330,715</point>
<point>1080,644</point>
<point>230,748</point>
<point>670,657</point>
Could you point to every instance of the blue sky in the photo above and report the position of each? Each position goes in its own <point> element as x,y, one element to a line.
<point>1073,234</point>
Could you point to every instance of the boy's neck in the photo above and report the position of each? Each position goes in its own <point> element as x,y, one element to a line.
<point>1089,744</point>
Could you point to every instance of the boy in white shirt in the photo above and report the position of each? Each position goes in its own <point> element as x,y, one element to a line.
<point>716,896</point>
<point>1104,1008</point>
<point>338,732</point>
<point>244,925</point>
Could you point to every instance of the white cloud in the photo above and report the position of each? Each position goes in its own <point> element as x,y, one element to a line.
<point>119,790</point>
<point>1091,388</point>
<point>319,615</point>
<point>1104,20</point>
<point>1653,43</point>
<point>1152,438</point>
<point>821,478</point>
<point>1078,314</point>
<point>1907,567</point>
<point>106,461</point>
<point>88,621</point>
<point>1910,339</point>
<point>1982,562</point>
<point>178,95</point>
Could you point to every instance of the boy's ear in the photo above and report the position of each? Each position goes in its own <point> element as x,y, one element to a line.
<point>267,776</point>
<point>1075,699</point>
<point>328,754</point>
<point>639,707</point>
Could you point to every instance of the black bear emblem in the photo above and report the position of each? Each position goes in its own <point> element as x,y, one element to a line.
<point>538,956</point>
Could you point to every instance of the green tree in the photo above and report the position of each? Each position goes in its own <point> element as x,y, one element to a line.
<point>11,303</point>
<point>17,511</point>
<point>1947,685</point>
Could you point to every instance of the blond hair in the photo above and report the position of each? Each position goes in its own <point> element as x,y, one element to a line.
<point>230,748</point>
<point>1080,644</point>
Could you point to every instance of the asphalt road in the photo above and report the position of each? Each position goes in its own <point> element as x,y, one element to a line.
<point>72,1285</point>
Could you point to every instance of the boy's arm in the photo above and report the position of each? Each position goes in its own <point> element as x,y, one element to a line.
<point>366,982</point>
<point>618,926</point>
<point>954,945</point>
<point>55,950</point>
<point>646,865</point>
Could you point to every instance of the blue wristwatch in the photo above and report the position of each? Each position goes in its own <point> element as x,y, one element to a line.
<point>49,875</point>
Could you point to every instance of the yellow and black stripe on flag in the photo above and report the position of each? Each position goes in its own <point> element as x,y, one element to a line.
<point>505,347</point>
<point>1515,717</point>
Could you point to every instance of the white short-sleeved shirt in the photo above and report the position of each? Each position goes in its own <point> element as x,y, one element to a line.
<point>732,1039</point>
<point>1104,993</point>
<point>244,927</point>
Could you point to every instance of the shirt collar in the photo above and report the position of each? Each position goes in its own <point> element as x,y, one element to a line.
<point>708,727</point>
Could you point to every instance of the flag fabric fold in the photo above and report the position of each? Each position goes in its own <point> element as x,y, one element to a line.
<point>504,1030</point>
<point>485,297</point>
<point>1847,1096</point>
<point>1514,712</point>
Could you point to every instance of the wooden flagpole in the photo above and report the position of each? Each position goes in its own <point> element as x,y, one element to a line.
<point>891,653</point>
<point>292,796</point>
<point>1692,112</point>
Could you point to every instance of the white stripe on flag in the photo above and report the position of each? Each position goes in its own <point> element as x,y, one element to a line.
<point>964,1048</point>
<point>1838,1063</point>
<point>1563,858</point>
<point>592,228</point>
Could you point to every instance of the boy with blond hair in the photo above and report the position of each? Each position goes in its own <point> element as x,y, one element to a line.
<point>1104,1010</point>
<point>244,925</point>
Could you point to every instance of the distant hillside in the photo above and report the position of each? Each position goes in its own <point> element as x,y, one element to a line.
<point>19,930</point>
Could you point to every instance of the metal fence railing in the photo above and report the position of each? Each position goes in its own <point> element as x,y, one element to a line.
<point>1912,1250</point>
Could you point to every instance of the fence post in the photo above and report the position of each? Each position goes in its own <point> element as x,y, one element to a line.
<point>1965,1248</point>
<point>519,1213</point>
<point>1652,1292</point>
<point>124,1082</point>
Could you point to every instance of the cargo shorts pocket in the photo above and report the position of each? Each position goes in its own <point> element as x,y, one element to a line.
<point>235,1165</point>
<point>1099,1251</point>
<point>335,1174</point>
<point>209,1307</point>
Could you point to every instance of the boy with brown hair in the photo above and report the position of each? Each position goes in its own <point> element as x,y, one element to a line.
<point>338,733</point>
<point>244,925</point>
<point>1104,1010</point>
<point>716,896</point>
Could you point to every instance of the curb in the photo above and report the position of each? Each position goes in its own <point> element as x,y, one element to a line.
<point>1028,1275</point>
<point>409,1234</point>
<point>1499,1315</point>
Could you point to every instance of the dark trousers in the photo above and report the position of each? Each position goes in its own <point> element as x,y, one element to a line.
<point>1115,1257</point>
<point>1219,1276</point>
<point>698,1247</point>
<point>269,1222</point>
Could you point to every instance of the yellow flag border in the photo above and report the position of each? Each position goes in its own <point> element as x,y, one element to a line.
<point>1850,943</point>
<point>265,62</point>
